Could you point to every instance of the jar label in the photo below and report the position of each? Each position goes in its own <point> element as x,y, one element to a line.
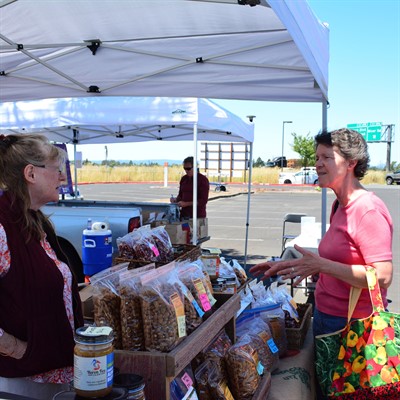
<point>93,373</point>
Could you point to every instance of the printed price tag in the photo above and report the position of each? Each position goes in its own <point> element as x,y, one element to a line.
<point>97,331</point>
<point>155,250</point>
<point>260,368</point>
<point>205,302</point>
<point>198,309</point>
<point>272,346</point>
<point>180,314</point>
<point>187,380</point>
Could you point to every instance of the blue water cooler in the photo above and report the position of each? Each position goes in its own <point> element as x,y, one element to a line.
<point>97,249</point>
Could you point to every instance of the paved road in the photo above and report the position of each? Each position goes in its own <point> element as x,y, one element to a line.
<point>227,216</point>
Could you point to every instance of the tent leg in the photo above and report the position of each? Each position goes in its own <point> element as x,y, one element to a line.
<point>248,204</point>
<point>324,193</point>
<point>194,235</point>
<point>75,174</point>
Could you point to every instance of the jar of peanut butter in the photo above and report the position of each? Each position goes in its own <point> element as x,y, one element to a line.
<point>93,361</point>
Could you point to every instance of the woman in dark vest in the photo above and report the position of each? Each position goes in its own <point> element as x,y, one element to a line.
<point>39,300</point>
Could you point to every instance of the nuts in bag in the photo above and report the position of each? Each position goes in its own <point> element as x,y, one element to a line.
<point>210,384</point>
<point>194,279</point>
<point>263,339</point>
<point>163,312</point>
<point>216,352</point>
<point>244,368</point>
<point>146,244</point>
<point>131,311</point>
<point>107,302</point>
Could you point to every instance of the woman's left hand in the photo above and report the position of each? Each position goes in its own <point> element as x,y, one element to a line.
<point>297,268</point>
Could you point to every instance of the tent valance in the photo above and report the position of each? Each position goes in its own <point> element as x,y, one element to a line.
<point>93,120</point>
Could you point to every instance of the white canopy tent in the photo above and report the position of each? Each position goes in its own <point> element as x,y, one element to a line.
<point>128,119</point>
<point>277,50</point>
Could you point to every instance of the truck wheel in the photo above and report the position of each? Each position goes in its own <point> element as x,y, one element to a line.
<point>223,188</point>
<point>389,180</point>
<point>316,182</point>
<point>288,181</point>
<point>74,259</point>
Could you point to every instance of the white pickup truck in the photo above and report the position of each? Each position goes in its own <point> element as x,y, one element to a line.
<point>70,218</point>
<point>307,175</point>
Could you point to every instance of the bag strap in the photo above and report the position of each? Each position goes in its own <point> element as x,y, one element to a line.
<point>374,292</point>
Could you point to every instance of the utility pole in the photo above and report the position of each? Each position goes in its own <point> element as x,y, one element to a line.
<point>388,146</point>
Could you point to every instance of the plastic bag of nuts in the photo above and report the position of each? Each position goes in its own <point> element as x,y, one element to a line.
<point>266,347</point>
<point>244,369</point>
<point>162,303</point>
<point>193,278</point>
<point>131,311</point>
<point>216,352</point>
<point>107,303</point>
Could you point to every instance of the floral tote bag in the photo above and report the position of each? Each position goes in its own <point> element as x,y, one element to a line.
<point>362,361</point>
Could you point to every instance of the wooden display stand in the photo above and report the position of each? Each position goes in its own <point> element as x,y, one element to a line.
<point>159,369</point>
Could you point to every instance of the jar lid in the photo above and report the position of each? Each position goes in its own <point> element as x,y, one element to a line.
<point>116,394</point>
<point>94,335</point>
<point>129,381</point>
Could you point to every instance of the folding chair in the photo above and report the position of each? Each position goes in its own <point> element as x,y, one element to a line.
<point>292,218</point>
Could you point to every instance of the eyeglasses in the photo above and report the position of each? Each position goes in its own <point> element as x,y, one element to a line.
<point>60,170</point>
<point>187,168</point>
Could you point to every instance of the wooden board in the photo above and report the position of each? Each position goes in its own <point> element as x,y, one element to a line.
<point>159,369</point>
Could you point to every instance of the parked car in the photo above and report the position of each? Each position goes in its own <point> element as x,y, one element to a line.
<point>393,177</point>
<point>277,162</point>
<point>307,175</point>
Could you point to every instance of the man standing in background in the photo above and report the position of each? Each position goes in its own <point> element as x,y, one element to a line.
<point>185,195</point>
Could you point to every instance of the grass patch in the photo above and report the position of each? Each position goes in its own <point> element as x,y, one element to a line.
<point>155,173</point>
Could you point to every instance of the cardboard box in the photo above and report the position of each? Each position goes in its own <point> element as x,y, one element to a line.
<point>179,232</point>
<point>202,227</point>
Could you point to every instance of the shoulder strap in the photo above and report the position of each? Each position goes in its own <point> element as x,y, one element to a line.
<point>374,292</point>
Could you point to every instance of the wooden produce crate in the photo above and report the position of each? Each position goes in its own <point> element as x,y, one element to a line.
<point>182,252</point>
<point>296,336</point>
<point>159,369</point>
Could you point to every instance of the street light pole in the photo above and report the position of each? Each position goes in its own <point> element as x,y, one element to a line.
<point>283,139</point>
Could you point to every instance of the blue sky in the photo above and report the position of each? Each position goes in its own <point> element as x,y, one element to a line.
<point>364,86</point>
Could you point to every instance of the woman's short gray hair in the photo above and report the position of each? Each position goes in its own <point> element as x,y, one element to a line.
<point>350,144</point>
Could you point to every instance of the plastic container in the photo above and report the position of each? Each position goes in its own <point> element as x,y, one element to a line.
<point>97,250</point>
<point>133,383</point>
<point>93,362</point>
<point>116,394</point>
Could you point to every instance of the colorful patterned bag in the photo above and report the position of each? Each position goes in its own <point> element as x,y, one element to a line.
<point>362,361</point>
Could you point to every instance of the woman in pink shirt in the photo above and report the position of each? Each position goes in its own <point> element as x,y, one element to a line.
<point>360,234</point>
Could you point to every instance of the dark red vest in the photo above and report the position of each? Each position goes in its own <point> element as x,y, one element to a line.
<point>31,301</point>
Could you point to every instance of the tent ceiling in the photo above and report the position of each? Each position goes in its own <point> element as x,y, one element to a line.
<point>175,48</point>
<point>124,119</point>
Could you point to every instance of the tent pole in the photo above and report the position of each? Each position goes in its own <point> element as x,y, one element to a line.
<point>248,203</point>
<point>76,133</point>
<point>324,192</point>
<point>75,174</point>
<point>194,235</point>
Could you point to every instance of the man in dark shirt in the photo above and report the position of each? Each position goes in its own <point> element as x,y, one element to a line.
<point>185,195</point>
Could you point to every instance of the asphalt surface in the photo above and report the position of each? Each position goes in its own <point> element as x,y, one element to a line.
<point>227,211</point>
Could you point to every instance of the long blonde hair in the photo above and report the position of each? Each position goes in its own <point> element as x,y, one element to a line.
<point>16,152</point>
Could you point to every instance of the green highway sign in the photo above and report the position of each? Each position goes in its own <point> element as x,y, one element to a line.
<point>371,131</point>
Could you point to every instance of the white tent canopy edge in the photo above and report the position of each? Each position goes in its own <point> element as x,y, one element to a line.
<point>275,51</point>
<point>129,119</point>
